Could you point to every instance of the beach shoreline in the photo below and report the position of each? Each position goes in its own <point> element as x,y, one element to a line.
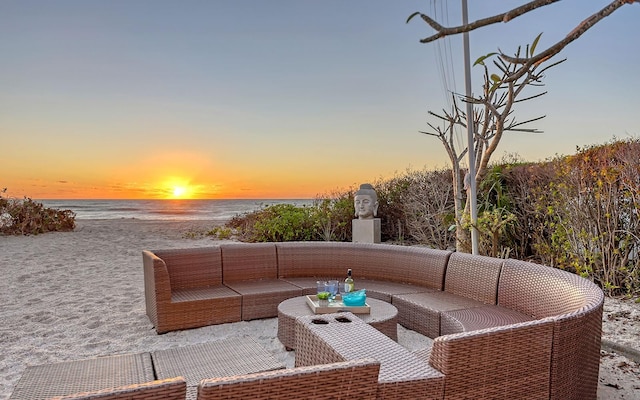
<point>80,294</point>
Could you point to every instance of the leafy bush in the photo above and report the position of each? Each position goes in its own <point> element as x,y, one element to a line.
<point>578,213</point>
<point>276,223</point>
<point>581,214</point>
<point>332,217</point>
<point>27,217</point>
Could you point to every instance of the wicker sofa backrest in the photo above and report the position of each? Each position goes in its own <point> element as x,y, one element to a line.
<point>542,291</point>
<point>416,265</point>
<point>192,268</point>
<point>407,264</point>
<point>574,304</point>
<point>504,362</point>
<point>473,276</point>
<point>357,379</point>
<point>315,259</point>
<point>248,261</point>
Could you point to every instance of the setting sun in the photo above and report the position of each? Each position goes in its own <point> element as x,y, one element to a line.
<point>178,188</point>
<point>179,191</point>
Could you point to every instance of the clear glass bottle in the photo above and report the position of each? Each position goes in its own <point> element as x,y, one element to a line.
<point>349,285</point>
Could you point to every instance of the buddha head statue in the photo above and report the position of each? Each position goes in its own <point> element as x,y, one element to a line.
<point>365,202</point>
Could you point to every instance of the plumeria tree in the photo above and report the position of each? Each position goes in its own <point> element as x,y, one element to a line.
<point>493,109</point>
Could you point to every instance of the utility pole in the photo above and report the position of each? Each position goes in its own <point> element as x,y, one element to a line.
<point>471,150</point>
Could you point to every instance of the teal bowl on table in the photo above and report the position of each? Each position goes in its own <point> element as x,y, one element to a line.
<point>355,299</point>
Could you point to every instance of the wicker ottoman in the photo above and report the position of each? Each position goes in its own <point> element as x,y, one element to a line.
<point>323,339</point>
<point>226,357</point>
<point>94,374</point>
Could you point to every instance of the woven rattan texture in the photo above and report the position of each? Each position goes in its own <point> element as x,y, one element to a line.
<point>248,261</point>
<point>190,307</point>
<point>576,354</point>
<point>157,288</point>
<point>227,357</point>
<point>304,259</point>
<point>309,284</point>
<point>381,290</point>
<point>166,389</point>
<point>572,305</point>
<point>350,380</point>
<point>193,268</point>
<point>203,293</point>
<point>463,271</point>
<point>384,291</point>
<point>487,316</point>
<point>402,264</point>
<point>383,317</point>
<point>510,362</point>
<point>49,380</point>
<point>260,298</point>
<point>542,291</point>
<point>402,374</point>
<point>421,311</point>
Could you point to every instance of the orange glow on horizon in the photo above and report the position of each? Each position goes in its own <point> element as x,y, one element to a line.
<point>172,188</point>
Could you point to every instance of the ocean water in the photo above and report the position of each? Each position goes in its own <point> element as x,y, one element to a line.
<point>214,210</point>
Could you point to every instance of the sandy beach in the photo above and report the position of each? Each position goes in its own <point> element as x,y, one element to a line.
<point>73,295</point>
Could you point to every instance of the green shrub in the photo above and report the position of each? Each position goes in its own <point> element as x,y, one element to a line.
<point>28,217</point>
<point>276,223</point>
<point>578,213</point>
<point>221,232</point>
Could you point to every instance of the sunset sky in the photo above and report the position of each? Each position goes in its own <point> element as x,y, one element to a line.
<point>276,99</point>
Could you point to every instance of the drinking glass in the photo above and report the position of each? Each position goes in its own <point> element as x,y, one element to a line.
<point>332,287</point>
<point>322,286</point>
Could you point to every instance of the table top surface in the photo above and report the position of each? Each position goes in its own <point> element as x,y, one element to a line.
<point>380,310</point>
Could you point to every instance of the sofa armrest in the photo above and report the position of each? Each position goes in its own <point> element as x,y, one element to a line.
<point>157,286</point>
<point>495,361</point>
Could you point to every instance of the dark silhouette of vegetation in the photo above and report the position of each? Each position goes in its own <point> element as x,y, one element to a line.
<point>28,217</point>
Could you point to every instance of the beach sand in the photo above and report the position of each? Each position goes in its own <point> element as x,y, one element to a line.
<point>73,295</point>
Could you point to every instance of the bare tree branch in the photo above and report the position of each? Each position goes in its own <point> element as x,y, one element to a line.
<point>504,17</point>
<point>573,35</point>
<point>514,13</point>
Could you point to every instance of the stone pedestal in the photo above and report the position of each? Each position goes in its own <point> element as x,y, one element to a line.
<point>365,230</point>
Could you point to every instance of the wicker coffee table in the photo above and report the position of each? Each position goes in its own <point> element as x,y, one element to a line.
<point>383,317</point>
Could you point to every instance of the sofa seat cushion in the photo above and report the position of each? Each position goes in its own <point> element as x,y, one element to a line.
<point>386,290</point>
<point>260,298</point>
<point>471,319</point>
<point>205,293</point>
<point>193,308</point>
<point>421,311</point>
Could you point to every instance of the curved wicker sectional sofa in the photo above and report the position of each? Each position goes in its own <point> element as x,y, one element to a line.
<point>501,328</point>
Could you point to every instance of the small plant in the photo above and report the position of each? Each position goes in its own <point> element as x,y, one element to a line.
<point>220,232</point>
<point>28,217</point>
